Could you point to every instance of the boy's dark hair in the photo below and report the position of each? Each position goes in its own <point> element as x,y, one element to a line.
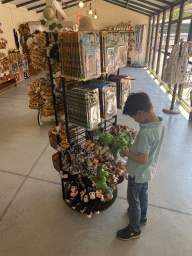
<point>137,101</point>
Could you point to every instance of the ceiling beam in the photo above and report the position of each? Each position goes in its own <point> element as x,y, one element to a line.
<point>144,6</point>
<point>36,6</point>
<point>66,7</point>
<point>116,3</point>
<point>128,3</point>
<point>164,2</point>
<point>140,9</point>
<point>120,3</point>
<point>132,9</point>
<point>26,3</point>
<point>150,3</point>
<point>136,10</point>
<point>7,1</point>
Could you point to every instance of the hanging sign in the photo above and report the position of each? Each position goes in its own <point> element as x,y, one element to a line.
<point>78,17</point>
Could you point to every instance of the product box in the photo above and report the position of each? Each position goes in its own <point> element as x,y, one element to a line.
<point>83,106</point>
<point>80,53</point>
<point>107,97</point>
<point>123,84</point>
<point>114,46</point>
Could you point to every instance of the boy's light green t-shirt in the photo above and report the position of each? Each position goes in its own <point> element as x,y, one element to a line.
<point>148,141</point>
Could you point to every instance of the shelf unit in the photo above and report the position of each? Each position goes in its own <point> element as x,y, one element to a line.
<point>81,134</point>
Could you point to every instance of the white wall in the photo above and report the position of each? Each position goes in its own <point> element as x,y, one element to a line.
<point>10,18</point>
<point>110,14</point>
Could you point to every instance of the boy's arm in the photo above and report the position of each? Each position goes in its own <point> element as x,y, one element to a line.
<point>141,158</point>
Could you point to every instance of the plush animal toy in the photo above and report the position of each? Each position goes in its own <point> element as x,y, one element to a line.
<point>120,174</point>
<point>85,202</point>
<point>72,193</point>
<point>94,203</point>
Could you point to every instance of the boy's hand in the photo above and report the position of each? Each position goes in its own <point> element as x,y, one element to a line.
<point>125,150</point>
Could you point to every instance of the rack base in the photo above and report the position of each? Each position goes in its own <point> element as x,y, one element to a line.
<point>103,206</point>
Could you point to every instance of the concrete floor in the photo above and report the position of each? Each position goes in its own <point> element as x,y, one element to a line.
<point>36,222</point>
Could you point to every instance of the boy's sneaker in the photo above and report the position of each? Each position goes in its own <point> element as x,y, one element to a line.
<point>128,233</point>
<point>144,221</point>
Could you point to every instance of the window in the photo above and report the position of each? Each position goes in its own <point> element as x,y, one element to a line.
<point>160,18</point>
<point>187,10</point>
<point>185,29</point>
<point>172,36</point>
<point>155,61</point>
<point>158,37</point>
<point>176,11</point>
<point>167,15</point>
<point>161,64</point>
<point>149,41</point>
<point>164,37</point>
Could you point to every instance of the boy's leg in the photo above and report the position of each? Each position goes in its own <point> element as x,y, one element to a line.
<point>133,230</point>
<point>133,199</point>
<point>144,200</point>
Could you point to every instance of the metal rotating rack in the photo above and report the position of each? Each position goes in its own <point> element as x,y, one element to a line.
<point>81,134</point>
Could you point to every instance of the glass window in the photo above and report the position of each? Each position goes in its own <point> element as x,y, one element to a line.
<point>154,33</point>
<point>152,21</point>
<point>155,19</point>
<point>149,43</point>
<point>164,37</point>
<point>160,18</point>
<point>167,14</point>
<point>155,61</point>
<point>161,64</point>
<point>150,63</point>
<point>185,29</point>
<point>172,36</point>
<point>176,11</point>
<point>158,37</point>
<point>187,10</point>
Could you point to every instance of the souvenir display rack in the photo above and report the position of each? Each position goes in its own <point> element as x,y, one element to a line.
<point>7,79</point>
<point>83,159</point>
<point>114,46</point>
<point>19,64</point>
<point>81,134</point>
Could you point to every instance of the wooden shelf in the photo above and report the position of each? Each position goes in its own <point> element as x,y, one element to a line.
<point>8,85</point>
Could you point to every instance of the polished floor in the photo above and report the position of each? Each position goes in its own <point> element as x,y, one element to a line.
<point>35,221</point>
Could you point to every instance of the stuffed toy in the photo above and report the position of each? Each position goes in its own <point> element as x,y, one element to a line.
<point>94,203</point>
<point>117,144</point>
<point>72,192</point>
<point>106,138</point>
<point>85,202</point>
<point>120,174</point>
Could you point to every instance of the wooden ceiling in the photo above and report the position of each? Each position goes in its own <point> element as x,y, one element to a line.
<point>146,7</point>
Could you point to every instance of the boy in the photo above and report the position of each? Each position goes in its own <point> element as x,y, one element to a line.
<point>142,160</point>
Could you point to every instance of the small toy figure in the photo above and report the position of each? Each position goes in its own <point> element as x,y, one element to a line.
<point>93,203</point>
<point>72,193</point>
<point>85,202</point>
